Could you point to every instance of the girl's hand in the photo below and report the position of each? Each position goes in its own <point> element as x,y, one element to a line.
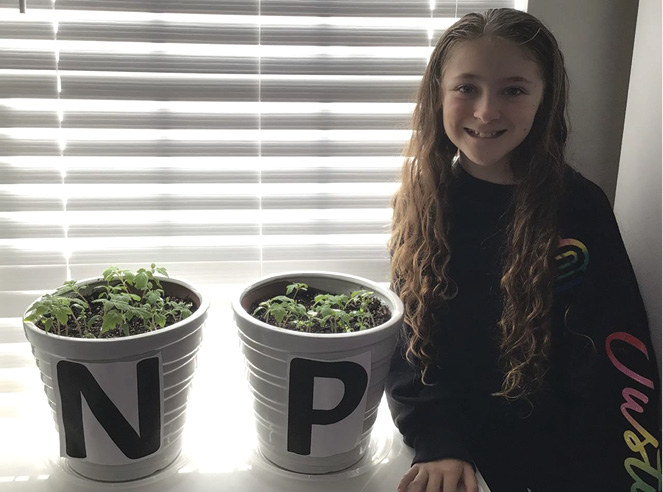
<point>439,476</point>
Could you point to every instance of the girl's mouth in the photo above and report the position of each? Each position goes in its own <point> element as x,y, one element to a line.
<point>474,134</point>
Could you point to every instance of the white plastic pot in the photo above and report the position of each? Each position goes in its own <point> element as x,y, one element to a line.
<point>119,403</point>
<point>316,396</point>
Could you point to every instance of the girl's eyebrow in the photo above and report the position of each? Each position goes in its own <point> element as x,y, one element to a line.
<point>515,78</point>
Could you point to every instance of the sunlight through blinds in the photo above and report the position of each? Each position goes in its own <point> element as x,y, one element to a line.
<point>222,139</point>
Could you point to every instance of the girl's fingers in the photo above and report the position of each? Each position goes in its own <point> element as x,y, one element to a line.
<point>451,479</point>
<point>419,482</point>
<point>470,479</point>
<point>442,476</point>
<point>434,483</point>
<point>407,479</point>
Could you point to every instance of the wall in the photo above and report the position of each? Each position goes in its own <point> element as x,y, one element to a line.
<point>638,197</point>
<point>596,37</point>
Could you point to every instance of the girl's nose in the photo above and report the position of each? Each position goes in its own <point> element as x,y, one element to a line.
<point>486,109</point>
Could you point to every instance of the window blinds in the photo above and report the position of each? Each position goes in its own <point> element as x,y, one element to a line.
<point>222,139</point>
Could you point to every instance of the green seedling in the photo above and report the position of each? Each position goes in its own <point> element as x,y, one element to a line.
<point>282,308</point>
<point>335,313</point>
<point>295,288</point>
<point>125,299</point>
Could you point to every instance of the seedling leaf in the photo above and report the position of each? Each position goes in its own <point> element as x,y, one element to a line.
<point>141,280</point>
<point>111,320</point>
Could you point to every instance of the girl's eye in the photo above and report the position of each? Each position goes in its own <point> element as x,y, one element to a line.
<point>465,89</point>
<point>514,91</point>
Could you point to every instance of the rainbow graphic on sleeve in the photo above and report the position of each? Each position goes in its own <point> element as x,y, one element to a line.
<point>571,260</point>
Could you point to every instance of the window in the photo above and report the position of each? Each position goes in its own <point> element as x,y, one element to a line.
<point>222,139</point>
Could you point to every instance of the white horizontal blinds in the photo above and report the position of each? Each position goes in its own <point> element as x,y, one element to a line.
<point>346,72</point>
<point>174,138</point>
<point>221,139</point>
<point>155,148</point>
<point>31,211</point>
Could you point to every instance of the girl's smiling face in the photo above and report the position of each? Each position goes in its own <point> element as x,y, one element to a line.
<point>491,91</point>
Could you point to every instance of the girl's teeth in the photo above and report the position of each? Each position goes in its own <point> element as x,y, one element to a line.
<point>485,135</point>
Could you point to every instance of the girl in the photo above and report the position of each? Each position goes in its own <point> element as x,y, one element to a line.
<point>526,351</point>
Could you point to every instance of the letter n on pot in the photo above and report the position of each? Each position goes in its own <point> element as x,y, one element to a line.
<point>110,413</point>
<point>326,404</point>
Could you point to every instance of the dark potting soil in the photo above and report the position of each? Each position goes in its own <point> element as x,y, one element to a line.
<point>379,311</point>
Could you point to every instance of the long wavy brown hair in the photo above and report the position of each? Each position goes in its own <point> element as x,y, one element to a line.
<point>419,243</point>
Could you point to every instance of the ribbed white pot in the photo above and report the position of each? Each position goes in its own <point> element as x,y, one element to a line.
<point>316,396</point>
<point>119,403</point>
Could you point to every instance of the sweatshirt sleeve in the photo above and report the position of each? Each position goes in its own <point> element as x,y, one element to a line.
<point>428,416</point>
<point>611,369</point>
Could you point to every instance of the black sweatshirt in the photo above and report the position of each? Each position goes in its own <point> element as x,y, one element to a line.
<point>595,423</point>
